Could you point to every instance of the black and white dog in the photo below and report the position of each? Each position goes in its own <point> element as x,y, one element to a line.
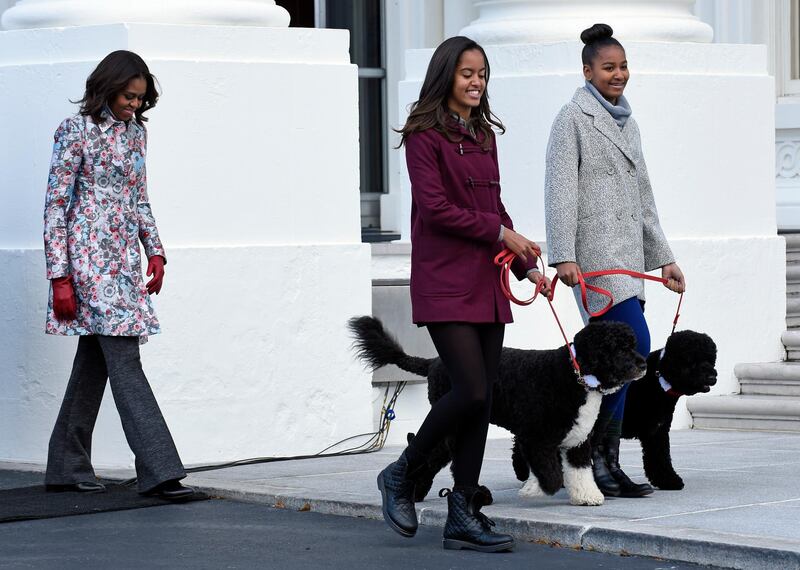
<point>537,396</point>
<point>683,368</point>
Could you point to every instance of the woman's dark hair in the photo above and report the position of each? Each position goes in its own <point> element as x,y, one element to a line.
<point>110,77</point>
<point>430,110</point>
<point>596,38</point>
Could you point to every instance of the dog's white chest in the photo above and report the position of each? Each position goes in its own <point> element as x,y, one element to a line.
<point>587,415</point>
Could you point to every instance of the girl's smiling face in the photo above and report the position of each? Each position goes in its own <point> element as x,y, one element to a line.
<point>469,83</point>
<point>127,101</point>
<point>608,72</point>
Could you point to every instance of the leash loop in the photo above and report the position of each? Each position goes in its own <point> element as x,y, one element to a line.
<point>505,258</point>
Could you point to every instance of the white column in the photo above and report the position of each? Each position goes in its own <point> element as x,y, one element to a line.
<point>59,13</point>
<point>543,21</point>
<point>254,184</point>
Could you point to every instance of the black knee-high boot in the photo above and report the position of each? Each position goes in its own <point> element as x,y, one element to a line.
<point>602,476</point>
<point>627,488</point>
<point>466,526</point>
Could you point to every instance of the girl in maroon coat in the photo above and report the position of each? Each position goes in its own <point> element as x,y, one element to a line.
<point>458,225</point>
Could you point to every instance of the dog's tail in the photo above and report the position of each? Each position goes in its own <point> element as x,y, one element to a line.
<point>377,348</point>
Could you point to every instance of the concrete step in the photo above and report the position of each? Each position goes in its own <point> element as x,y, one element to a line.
<point>793,311</point>
<point>792,248</point>
<point>793,273</point>
<point>792,241</point>
<point>746,412</point>
<point>791,341</point>
<point>769,378</point>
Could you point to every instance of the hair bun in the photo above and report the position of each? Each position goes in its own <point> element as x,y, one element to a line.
<point>595,33</point>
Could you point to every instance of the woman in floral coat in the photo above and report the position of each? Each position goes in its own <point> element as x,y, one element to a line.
<point>96,212</point>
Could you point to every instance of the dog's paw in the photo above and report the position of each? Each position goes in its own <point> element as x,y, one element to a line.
<point>587,497</point>
<point>531,489</point>
<point>669,483</point>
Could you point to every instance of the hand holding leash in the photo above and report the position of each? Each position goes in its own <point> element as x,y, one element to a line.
<point>569,272</point>
<point>521,246</point>
<point>542,282</point>
<point>674,276</point>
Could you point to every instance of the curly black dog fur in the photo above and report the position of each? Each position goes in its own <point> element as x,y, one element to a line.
<point>536,396</point>
<point>688,366</point>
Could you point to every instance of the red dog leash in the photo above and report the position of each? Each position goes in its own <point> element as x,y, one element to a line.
<point>506,257</point>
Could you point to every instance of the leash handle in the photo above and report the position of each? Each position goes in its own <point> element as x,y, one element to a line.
<point>606,293</point>
<point>506,257</point>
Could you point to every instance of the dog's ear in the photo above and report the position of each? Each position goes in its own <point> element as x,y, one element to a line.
<point>691,346</point>
<point>607,350</point>
<point>604,338</point>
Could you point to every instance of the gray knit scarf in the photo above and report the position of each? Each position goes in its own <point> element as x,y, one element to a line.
<point>619,112</point>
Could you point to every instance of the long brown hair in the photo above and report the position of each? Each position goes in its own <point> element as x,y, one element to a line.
<point>430,110</point>
<point>110,77</point>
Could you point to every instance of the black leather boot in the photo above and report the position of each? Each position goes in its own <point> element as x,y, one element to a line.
<point>627,488</point>
<point>602,477</point>
<point>467,526</point>
<point>397,495</point>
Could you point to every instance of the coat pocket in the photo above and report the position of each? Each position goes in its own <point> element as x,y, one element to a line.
<point>446,266</point>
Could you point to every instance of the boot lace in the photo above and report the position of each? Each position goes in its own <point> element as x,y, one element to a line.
<point>485,522</point>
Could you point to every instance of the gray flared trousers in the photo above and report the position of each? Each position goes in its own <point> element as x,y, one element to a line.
<point>115,358</point>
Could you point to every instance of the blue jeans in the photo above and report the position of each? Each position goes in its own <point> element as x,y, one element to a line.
<point>631,312</point>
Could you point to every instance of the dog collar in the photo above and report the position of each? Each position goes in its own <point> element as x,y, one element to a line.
<point>589,381</point>
<point>666,386</point>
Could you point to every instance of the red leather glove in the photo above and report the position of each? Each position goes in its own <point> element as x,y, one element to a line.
<point>64,305</point>
<point>155,267</point>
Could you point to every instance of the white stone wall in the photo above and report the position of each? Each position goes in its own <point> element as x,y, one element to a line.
<point>768,23</point>
<point>253,177</point>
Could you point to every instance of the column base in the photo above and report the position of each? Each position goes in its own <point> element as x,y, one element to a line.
<point>52,14</point>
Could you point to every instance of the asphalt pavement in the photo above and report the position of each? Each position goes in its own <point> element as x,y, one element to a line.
<point>739,509</point>
<point>232,535</point>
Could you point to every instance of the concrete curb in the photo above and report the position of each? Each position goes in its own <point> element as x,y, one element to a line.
<point>741,552</point>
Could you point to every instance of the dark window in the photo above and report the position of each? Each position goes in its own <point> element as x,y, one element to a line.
<point>302,12</point>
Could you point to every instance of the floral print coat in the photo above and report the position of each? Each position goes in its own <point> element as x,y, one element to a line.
<point>96,211</point>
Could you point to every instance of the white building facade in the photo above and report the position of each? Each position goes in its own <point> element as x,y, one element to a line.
<point>254,185</point>
<point>261,220</point>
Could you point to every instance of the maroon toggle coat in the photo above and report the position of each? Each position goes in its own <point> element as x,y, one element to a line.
<point>456,214</point>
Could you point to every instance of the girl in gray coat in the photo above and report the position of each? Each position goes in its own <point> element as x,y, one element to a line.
<point>600,214</point>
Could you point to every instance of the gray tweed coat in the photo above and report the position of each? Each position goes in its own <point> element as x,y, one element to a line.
<point>599,206</point>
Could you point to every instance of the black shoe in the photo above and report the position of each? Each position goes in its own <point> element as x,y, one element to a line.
<point>627,488</point>
<point>82,487</point>
<point>397,497</point>
<point>466,526</point>
<point>170,490</point>
<point>602,476</point>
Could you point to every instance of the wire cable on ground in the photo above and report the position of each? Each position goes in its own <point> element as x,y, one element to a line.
<point>375,442</point>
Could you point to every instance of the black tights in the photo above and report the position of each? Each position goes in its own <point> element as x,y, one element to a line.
<point>471,354</point>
